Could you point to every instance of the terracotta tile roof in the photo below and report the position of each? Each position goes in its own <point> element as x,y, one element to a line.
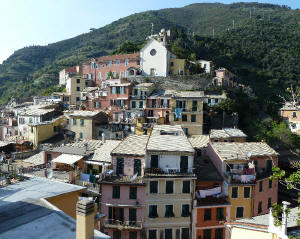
<point>72,69</point>
<point>118,57</point>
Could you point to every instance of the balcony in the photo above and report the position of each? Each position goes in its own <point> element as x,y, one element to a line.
<point>169,172</point>
<point>157,106</point>
<point>210,196</point>
<point>139,97</point>
<point>240,178</point>
<point>91,187</point>
<point>123,225</point>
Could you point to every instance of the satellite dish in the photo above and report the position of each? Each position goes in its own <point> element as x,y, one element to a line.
<point>248,154</point>
<point>50,174</point>
<point>133,177</point>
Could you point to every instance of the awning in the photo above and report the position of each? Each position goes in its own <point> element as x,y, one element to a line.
<point>67,159</point>
<point>94,162</point>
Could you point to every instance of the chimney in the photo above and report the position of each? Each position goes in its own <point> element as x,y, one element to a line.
<point>103,138</point>
<point>85,219</point>
<point>284,218</point>
<point>77,69</point>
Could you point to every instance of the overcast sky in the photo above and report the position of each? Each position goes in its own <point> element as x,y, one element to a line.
<point>39,22</point>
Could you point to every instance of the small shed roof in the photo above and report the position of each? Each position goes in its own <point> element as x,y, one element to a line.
<point>69,159</point>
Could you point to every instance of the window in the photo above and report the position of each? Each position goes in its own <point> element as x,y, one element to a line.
<point>118,62</point>
<point>78,81</point>
<point>193,118</point>
<point>220,214</point>
<point>116,234</point>
<point>49,158</point>
<point>184,118</point>
<point>239,212</point>
<point>207,234</point>
<point>169,187</point>
<point>132,235</point>
<point>246,192</point>
<point>132,193</point>
<point>154,161</point>
<point>99,75</point>
<point>74,121</point>
<point>137,167</point>
<point>77,98</point>
<point>269,202</point>
<point>78,88</point>
<point>169,211</point>
<point>114,74</point>
<point>259,209</point>
<point>120,166</point>
<point>153,211</point>
<point>117,116</point>
<point>185,233</point>
<point>153,52</point>
<point>133,104</point>
<point>110,63</point>
<point>106,75</point>
<point>81,122</point>
<point>260,186</point>
<point>80,135</point>
<point>195,105</point>
<point>269,166</point>
<point>219,233</point>
<point>168,233</point>
<point>152,234</point>
<point>234,192</point>
<point>207,214</point>
<point>141,104</point>
<point>185,210</point>
<point>153,187</point>
<point>132,216</point>
<point>172,63</point>
<point>126,62</point>
<point>184,161</point>
<point>116,192</point>
<point>294,115</point>
<point>186,187</point>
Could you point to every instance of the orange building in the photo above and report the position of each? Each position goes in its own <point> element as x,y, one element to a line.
<point>211,208</point>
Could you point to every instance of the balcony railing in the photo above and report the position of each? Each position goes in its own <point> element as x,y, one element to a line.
<point>158,106</point>
<point>168,171</point>
<point>120,224</point>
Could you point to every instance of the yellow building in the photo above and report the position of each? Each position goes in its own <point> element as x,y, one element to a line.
<point>169,183</point>
<point>240,196</point>
<point>143,126</point>
<point>42,131</point>
<point>83,123</point>
<point>187,111</point>
<point>178,66</point>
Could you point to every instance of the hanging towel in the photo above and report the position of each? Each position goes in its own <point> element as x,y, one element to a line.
<point>84,177</point>
<point>178,112</point>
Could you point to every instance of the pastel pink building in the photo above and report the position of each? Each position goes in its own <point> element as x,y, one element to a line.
<point>9,127</point>
<point>158,105</point>
<point>123,192</point>
<point>114,66</point>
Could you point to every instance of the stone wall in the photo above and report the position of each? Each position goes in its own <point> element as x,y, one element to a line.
<point>192,82</point>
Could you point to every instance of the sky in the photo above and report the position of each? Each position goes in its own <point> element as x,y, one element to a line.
<point>40,22</point>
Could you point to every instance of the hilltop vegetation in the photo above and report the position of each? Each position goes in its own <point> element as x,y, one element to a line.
<point>263,50</point>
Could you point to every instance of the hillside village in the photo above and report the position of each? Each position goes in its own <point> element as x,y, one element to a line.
<point>135,133</point>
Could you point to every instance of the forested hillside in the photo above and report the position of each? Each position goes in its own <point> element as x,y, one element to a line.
<point>259,42</point>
